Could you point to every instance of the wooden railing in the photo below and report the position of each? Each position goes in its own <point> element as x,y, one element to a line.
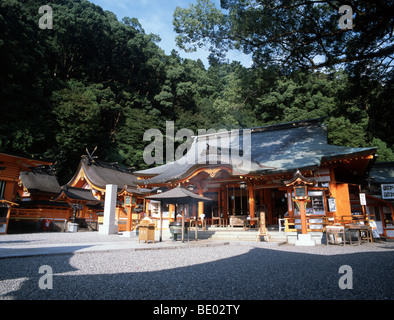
<point>25,213</point>
<point>291,224</point>
<point>354,218</point>
<point>17,213</point>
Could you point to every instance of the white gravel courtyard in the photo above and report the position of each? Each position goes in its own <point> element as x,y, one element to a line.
<point>242,271</point>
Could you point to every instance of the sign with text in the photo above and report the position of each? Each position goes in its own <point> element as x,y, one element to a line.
<point>332,207</point>
<point>363,200</point>
<point>387,191</point>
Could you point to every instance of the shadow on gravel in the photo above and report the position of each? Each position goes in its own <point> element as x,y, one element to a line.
<point>261,273</point>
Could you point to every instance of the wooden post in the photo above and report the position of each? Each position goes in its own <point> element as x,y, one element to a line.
<point>200,203</point>
<point>146,204</point>
<point>183,223</point>
<point>195,231</point>
<point>233,200</point>
<point>225,203</point>
<point>219,200</point>
<point>304,229</point>
<point>161,222</point>
<point>251,201</point>
<point>128,225</point>
<point>8,217</point>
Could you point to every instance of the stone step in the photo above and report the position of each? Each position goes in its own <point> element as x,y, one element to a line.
<point>277,236</point>
<point>238,234</point>
<point>231,234</point>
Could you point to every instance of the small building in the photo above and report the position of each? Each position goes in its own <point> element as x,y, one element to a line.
<point>84,206</point>
<point>380,199</point>
<point>39,203</point>
<point>93,174</point>
<point>12,167</point>
<point>37,210</point>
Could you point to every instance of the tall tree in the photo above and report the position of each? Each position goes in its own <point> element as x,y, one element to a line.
<point>297,33</point>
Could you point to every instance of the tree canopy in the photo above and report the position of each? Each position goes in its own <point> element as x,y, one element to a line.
<point>293,33</point>
<point>94,80</point>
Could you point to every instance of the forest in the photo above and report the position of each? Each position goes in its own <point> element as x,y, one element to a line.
<point>93,80</point>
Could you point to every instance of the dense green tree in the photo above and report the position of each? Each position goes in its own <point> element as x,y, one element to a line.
<point>290,39</point>
<point>23,81</point>
<point>292,34</point>
<point>96,81</point>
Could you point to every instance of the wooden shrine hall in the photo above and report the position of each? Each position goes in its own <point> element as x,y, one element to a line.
<point>24,202</point>
<point>244,190</point>
<point>93,175</point>
<point>252,177</point>
<point>32,199</point>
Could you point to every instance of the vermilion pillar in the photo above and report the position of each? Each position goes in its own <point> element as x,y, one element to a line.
<point>200,203</point>
<point>128,225</point>
<point>251,201</point>
<point>304,229</point>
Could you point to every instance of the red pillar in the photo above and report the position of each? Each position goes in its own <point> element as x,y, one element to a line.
<point>225,203</point>
<point>200,203</point>
<point>251,201</point>
<point>304,228</point>
<point>128,225</point>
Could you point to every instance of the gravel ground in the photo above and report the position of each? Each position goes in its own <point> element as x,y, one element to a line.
<point>242,271</point>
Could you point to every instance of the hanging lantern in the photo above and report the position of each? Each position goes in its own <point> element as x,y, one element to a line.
<point>301,192</point>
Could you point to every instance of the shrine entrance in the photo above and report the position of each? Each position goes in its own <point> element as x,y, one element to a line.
<point>232,203</point>
<point>239,200</point>
<point>279,206</point>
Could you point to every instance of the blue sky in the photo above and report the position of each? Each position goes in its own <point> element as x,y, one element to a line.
<point>155,17</point>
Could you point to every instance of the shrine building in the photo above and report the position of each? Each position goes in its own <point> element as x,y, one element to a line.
<point>259,179</point>
<point>10,167</point>
<point>253,176</point>
<point>92,175</point>
<point>32,200</point>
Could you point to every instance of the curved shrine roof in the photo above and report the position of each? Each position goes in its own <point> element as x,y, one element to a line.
<point>100,173</point>
<point>273,149</point>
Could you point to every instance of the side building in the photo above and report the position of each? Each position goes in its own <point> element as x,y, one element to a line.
<point>13,195</point>
<point>93,175</point>
<point>32,200</point>
<point>380,197</point>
